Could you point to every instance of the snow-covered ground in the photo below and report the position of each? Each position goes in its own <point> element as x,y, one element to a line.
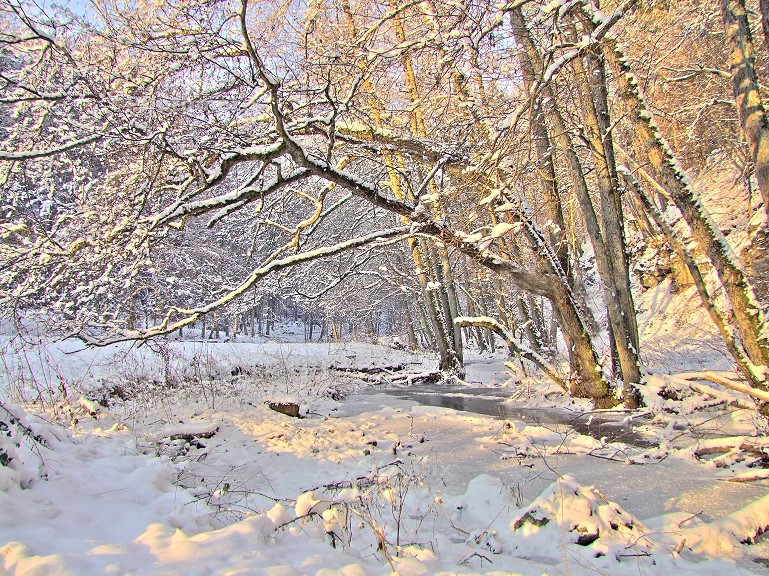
<point>179,467</point>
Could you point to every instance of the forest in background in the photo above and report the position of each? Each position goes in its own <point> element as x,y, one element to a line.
<point>442,171</point>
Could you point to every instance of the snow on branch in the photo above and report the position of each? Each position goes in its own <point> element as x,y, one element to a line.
<point>189,316</point>
<point>513,346</point>
<point>604,26</point>
<point>32,154</point>
<point>731,384</point>
<point>234,200</point>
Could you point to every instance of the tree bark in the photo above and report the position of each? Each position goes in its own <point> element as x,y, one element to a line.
<point>733,346</point>
<point>747,96</point>
<point>596,108</point>
<point>627,348</point>
<point>764,7</point>
<point>748,317</point>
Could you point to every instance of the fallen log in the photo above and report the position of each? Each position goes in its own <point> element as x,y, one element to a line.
<point>287,408</point>
<point>369,369</point>
<point>190,432</point>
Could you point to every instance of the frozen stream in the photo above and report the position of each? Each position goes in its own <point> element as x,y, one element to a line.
<point>453,454</point>
<point>492,402</point>
<point>647,490</point>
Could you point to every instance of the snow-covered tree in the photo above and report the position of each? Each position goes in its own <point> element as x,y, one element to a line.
<point>168,162</point>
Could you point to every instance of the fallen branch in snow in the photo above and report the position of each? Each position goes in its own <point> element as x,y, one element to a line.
<point>361,481</point>
<point>190,432</point>
<point>390,374</point>
<point>690,379</point>
<point>643,554</point>
<point>736,386</point>
<point>368,369</point>
<point>679,547</point>
<point>725,445</point>
<point>690,518</point>
<point>750,476</point>
<point>417,378</point>
<point>614,458</point>
<point>475,555</point>
<point>734,450</point>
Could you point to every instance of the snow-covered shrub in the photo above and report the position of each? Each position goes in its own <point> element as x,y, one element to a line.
<point>384,512</point>
<point>21,462</point>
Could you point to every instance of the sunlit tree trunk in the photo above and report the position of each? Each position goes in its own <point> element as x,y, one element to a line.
<point>626,350</point>
<point>764,7</point>
<point>445,291</point>
<point>598,123</point>
<point>669,178</point>
<point>438,293</point>
<point>747,96</point>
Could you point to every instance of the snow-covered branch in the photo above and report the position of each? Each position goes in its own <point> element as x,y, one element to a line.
<point>514,347</point>
<point>33,154</point>
<point>172,321</point>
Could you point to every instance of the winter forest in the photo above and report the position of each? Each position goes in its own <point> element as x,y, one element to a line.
<point>384,287</point>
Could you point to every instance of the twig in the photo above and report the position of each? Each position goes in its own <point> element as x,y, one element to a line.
<point>474,554</point>
<point>692,517</point>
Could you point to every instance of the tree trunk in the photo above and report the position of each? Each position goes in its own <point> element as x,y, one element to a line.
<point>747,96</point>
<point>755,125</point>
<point>748,317</point>
<point>764,7</point>
<point>410,327</point>
<point>443,334</point>
<point>626,349</point>
<point>590,383</point>
<point>732,344</point>
<point>596,108</point>
<point>529,327</point>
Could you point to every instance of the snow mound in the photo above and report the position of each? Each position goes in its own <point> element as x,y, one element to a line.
<point>569,513</point>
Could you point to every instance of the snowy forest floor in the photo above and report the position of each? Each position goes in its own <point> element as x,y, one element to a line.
<point>180,467</point>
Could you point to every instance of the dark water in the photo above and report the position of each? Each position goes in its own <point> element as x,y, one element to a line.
<point>491,402</point>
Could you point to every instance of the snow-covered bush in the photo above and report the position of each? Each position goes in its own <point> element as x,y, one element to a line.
<point>21,461</point>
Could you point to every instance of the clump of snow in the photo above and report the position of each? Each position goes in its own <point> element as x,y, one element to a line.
<point>568,513</point>
<point>503,228</point>
<point>306,503</point>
